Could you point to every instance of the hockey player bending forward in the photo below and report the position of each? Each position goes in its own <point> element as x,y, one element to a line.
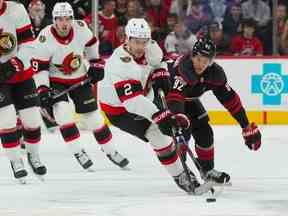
<point>59,62</point>
<point>193,75</point>
<point>128,103</point>
<point>17,89</point>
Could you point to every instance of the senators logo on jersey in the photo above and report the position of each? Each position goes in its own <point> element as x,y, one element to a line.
<point>7,43</point>
<point>71,63</point>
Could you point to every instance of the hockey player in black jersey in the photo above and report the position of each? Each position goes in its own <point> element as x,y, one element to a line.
<point>193,75</point>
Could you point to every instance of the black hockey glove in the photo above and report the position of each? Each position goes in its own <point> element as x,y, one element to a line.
<point>252,136</point>
<point>161,80</point>
<point>167,120</point>
<point>96,70</point>
<point>10,68</point>
<point>46,96</point>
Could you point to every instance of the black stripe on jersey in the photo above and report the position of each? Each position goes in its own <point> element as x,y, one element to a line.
<point>40,65</point>
<point>128,89</point>
<point>25,34</point>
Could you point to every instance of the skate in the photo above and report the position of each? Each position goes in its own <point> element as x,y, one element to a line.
<point>118,159</point>
<point>218,178</point>
<point>19,171</point>
<point>192,187</point>
<point>38,168</point>
<point>84,160</point>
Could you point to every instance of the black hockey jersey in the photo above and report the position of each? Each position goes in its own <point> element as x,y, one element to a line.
<point>187,84</point>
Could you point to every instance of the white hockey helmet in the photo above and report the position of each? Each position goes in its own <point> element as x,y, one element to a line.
<point>138,28</point>
<point>62,9</point>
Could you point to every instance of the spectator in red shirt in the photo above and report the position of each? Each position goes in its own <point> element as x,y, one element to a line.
<point>159,11</point>
<point>107,19</point>
<point>247,44</point>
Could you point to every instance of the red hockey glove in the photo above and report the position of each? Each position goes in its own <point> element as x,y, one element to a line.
<point>252,136</point>
<point>167,120</point>
<point>10,68</point>
<point>96,70</point>
<point>161,79</point>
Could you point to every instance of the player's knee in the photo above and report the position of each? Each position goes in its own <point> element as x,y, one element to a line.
<point>63,113</point>
<point>30,117</point>
<point>156,138</point>
<point>92,120</point>
<point>9,118</point>
<point>69,132</point>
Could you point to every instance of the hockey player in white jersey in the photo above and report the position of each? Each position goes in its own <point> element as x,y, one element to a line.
<point>126,98</point>
<point>17,89</point>
<point>59,62</point>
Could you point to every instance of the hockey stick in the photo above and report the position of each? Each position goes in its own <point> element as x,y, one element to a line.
<point>180,143</point>
<point>45,113</point>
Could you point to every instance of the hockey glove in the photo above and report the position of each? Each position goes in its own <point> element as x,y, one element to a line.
<point>10,68</point>
<point>46,96</point>
<point>167,120</point>
<point>252,136</point>
<point>96,70</point>
<point>161,80</point>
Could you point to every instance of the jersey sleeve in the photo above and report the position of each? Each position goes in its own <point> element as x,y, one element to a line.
<point>91,42</point>
<point>229,98</point>
<point>23,24</point>
<point>41,59</point>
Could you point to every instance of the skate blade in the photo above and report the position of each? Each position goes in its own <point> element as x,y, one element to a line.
<point>22,180</point>
<point>126,168</point>
<point>225,184</point>
<point>90,170</point>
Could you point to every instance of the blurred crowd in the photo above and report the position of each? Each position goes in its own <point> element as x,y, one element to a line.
<point>237,27</point>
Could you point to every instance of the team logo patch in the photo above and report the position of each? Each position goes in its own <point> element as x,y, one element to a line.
<point>42,38</point>
<point>7,43</point>
<point>126,59</point>
<point>71,63</point>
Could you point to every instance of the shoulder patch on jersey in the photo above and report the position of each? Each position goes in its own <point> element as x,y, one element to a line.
<point>42,38</point>
<point>125,59</point>
<point>80,23</point>
<point>7,43</point>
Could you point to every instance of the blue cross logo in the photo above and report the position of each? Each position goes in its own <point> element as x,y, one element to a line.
<point>271,84</point>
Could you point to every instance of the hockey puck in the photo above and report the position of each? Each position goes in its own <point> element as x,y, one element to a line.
<point>211,200</point>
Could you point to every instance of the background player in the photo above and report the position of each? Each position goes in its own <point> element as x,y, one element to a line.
<point>59,60</point>
<point>17,89</point>
<point>193,75</point>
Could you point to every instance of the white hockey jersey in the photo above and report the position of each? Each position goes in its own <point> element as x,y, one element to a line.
<point>125,86</point>
<point>63,59</point>
<point>16,36</point>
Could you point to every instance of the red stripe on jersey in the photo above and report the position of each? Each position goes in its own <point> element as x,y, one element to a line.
<point>22,76</point>
<point>91,42</point>
<point>128,89</point>
<point>3,9</point>
<point>11,145</point>
<point>174,96</point>
<point>165,149</point>
<point>112,110</point>
<point>234,105</point>
<point>26,40</point>
<point>24,28</point>
<point>67,81</point>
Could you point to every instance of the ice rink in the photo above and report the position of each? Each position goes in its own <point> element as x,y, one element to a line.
<point>260,181</point>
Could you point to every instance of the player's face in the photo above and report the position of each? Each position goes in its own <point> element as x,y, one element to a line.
<point>200,63</point>
<point>137,46</point>
<point>63,25</point>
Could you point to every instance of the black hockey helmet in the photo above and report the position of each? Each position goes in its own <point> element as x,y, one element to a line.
<point>204,47</point>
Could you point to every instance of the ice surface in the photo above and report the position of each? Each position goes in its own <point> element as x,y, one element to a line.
<point>260,181</point>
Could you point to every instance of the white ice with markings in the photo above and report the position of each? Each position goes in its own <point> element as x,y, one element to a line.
<point>260,181</point>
